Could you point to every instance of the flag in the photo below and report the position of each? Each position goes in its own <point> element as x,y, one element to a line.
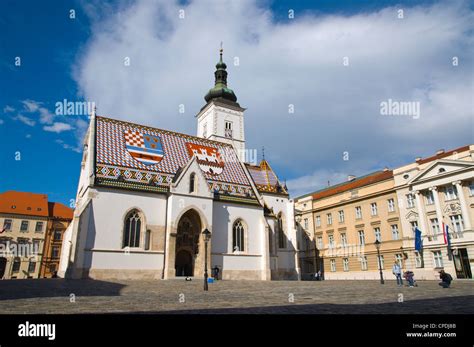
<point>447,239</point>
<point>418,240</point>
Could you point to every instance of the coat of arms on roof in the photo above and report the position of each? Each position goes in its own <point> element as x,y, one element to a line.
<point>145,148</point>
<point>208,158</point>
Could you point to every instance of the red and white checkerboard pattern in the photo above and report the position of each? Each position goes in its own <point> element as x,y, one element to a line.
<point>111,136</point>
<point>134,138</point>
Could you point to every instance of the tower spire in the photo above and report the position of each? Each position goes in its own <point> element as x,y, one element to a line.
<point>220,89</point>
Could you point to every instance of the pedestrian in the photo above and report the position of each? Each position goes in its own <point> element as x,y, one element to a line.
<point>445,279</point>
<point>397,271</point>
<point>410,277</point>
<point>216,272</point>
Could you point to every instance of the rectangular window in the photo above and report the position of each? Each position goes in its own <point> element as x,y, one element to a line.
<point>228,129</point>
<point>39,227</point>
<point>306,223</point>
<point>395,232</point>
<point>451,193</point>
<point>7,224</point>
<point>399,259</point>
<point>434,226</point>
<point>55,252</point>
<point>378,234</point>
<point>373,209</point>
<point>16,265</point>
<point>363,263</point>
<point>414,225</point>
<point>437,259</point>
<point>320,242</point>
<point>418,260</point>
<point>147,240</point>
<point>331,241</point>
<point>471,188</point>
<point>32,266</point>
<point>410,200</point>
<point>318,221</point>
<point>457,222</point>
<point>333,265</point>
<point>391,205</point>
<point>36,246</point>
<point>345,264</point>
<point>57,235</point>
<point>361,237</point>
<point>358,210</point>
<point>380,263</point>
<point>329,218</point>
<point>24,225</point>
<point>344,239</point>
<point>341,216</point>
<point>429,197</point>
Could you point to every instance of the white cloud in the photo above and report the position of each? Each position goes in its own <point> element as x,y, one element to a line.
<point>7,109</point>
<point>25,120</point>
<point>32,106</point>
<point>28,136</point>
<point>298,62</point>
<point>1,121</point>
<point>58,127</point>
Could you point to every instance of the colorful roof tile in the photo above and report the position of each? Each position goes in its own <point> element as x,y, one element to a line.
<point>134,156</point>
<point>265,178</point>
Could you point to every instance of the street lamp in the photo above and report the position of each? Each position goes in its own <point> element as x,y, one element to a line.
<point>377,245</point>
<point>207,237</point>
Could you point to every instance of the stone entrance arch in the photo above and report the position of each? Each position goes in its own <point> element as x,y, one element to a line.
<point>186,249</point>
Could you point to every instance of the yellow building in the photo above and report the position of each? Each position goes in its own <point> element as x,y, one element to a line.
<point>340,225</point>
<point>26,220</point>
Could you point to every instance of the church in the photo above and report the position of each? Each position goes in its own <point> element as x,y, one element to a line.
<point>146,195</point>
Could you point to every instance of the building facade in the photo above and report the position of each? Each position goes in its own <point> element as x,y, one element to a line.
<point>433,192</point>
<point>26,221</point>
<point>346,221</point>
<point>146,195</point>
<point>338,226</point>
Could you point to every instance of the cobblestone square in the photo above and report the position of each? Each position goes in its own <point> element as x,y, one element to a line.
<point>59,296</point>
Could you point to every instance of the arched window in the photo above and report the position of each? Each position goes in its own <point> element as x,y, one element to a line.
<point>238,237</point>
<point>132,230</point>
<point>192,183</point>
<point>281,233</point>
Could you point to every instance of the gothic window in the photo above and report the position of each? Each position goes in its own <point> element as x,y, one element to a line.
<point>281,234</point>
<point>238,237</point>
<point>192,183</point>
<point>132,229</point>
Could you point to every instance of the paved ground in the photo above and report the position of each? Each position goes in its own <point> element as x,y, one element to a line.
<point>177,296</point>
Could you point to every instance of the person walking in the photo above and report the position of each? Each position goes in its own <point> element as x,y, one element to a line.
<point>446,279</point>
<point>397,271</point>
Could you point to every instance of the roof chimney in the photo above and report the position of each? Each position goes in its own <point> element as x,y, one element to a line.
<point>350,178</point>
<point>441,151</point>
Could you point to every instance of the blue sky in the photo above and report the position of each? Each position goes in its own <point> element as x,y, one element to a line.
<point>64,58</point>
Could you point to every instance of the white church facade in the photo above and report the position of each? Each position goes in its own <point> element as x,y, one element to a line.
<point>145,196</point>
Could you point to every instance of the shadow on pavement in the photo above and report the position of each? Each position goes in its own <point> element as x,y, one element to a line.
<point>56,287</point>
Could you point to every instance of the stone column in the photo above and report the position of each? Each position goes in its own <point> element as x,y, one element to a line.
<point>421,212</point>
<point>439,213</point>
<point>464,209</point>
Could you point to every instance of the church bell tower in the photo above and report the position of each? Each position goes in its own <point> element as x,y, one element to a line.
<point>222,118</point>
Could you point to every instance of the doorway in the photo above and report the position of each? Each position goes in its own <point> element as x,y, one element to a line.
<point>187,244</point>
<point>461,263</point>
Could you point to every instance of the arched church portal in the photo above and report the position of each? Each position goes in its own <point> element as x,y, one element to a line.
<point>187,243</point>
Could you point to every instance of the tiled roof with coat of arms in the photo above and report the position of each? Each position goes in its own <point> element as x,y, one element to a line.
<point>140,157</point>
